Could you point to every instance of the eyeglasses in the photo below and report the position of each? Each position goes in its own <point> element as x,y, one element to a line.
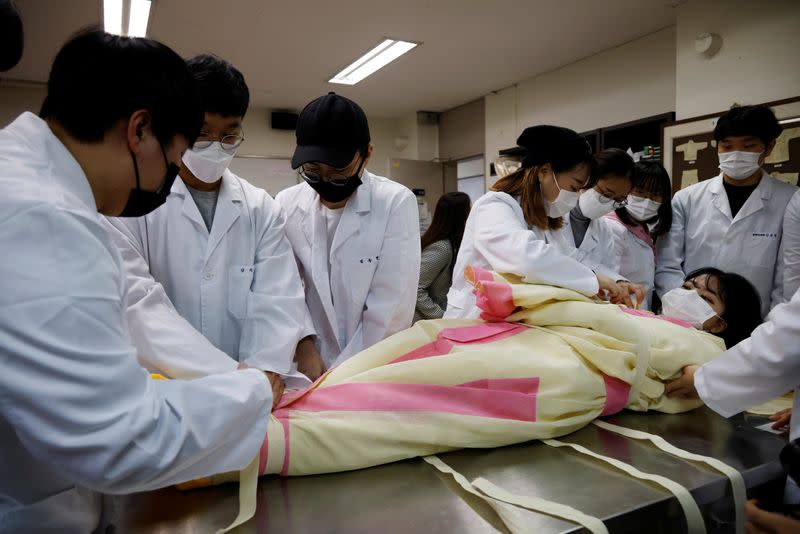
<point>338,179</point>
<point>616,203</point>
<point>228,142</point>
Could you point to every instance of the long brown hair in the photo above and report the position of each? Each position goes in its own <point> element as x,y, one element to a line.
<point>448,221</point>
<point>524,184</point>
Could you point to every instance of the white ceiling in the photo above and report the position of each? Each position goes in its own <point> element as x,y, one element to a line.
<point>288,50</point>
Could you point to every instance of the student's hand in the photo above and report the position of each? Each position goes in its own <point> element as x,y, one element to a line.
<point>309,361</point>
<point>628,289</point>
<point>782,419</point>
<point>609,289</point>
<point>277,387</point>
<point>684,386</point>
<point>762,522</point>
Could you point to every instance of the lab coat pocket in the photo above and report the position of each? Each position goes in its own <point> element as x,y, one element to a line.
<point>362,270</point>
<point>240,277</point>
<point>761,248</point>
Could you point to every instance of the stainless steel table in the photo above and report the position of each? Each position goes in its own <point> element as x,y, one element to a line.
<point>411,496</point>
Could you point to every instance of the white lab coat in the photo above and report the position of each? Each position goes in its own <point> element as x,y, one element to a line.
<point>790,248</point>
<point>762,367</point>
<point>78,414</point>
<point>200,301</point>
<point>634,258</point>
<point>595,251</point>
<point>703,234</point>
<point>371,289</point>
<point>498,238</point>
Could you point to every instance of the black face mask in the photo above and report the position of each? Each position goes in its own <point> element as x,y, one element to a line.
<point>141,202</point>
<point>336,193</point>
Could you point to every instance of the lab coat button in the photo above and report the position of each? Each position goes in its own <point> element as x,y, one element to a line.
<point>208,275</point>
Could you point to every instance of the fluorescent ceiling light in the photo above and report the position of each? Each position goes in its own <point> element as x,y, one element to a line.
<point>375,59</point>
<point>140,13</point>
<point>126,17</point>
<point>112,16</point>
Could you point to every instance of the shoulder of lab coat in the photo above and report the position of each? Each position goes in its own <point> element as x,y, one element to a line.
<point>790,249</point>
<point>503,236</point>
<point>760,368</point>
<point>165,342</point>
<point>99,420</point>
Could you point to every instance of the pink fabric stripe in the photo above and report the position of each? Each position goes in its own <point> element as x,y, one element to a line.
<point>425,351</point>
<point>643,313</point>
<point>263,454</point>
<point>495,299</point>
<point>482,333</point>
<point>465,335</point>
<point>510,398</point>
<point>284,419</point>
<point>617,392</point>
<point>475,274</point>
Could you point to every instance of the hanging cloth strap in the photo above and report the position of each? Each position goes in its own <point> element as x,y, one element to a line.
<point>694,519</point>
<point>738,487</point>
<point>495,497</point>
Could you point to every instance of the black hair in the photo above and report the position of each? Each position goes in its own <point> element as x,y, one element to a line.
<point>758,121</point>
<point>611,162</point>
<point>449,218</point>
<point>98,79</point>
<point>652,177</point>
<point>742,303</point>
<point>221,86</point>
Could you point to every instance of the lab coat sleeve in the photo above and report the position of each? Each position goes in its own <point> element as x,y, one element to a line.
<point>510,247</point>
<point>760,368</point>
<point>789,263</point>
<point>671,250</point>
<point>392,294</point>
<point>435,258</point>
<point>276,309</point>
<point>616,244</point>
<point>71,386</point>
<point>166,342</point>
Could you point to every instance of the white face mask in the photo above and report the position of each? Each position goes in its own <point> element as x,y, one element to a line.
<point>594,205</point>
<point>739,165</point>
<point>564,202</point>
<point>208,164</point>
<point>642,209</point>
<point>687,305</point>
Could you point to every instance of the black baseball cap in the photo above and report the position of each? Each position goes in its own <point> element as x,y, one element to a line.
<point>330,130</point>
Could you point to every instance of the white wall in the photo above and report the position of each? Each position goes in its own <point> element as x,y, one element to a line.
<point>15,99</point>
<point>759,60</point>
<point>631,81</point>
<point>260,138</point>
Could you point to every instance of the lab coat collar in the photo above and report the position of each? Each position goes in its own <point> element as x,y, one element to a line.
<point>42,142</point>
<point>229,207</point>
<point>360,202</point>
<point>754,204</point>
<point>351,218</point>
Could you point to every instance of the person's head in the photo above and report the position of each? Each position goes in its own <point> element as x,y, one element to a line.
<point>558,164</point>
<point>333,147</point>
<point>449,219</point>
<point>735,303</point>
<point>745,136</point>
<point>127,109</point>
<point>650,200</point>
<point>225,98</point>
<point>609,185</point>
